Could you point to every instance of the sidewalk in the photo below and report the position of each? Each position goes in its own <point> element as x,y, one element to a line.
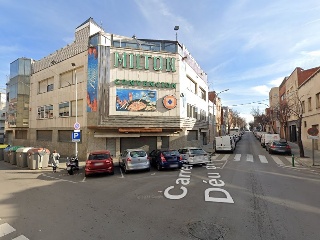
<point>307,160</point>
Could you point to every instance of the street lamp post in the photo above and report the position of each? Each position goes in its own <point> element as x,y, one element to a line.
<point>75,75</point>
<point>214,121</point>
<point>176,28</point>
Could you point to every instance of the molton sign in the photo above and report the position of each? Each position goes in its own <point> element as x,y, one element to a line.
<point>143,62</point>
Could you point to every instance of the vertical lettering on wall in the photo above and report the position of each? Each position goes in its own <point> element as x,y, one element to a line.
<point>138,60</point>
<point>122,60</point>
<point>170,64</point>
<point>155,63</point>
<point>131,61</point>
<point>146,61</point>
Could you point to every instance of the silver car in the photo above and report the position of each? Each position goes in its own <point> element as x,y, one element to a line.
<point>194,155</point>
<point>134,159</point>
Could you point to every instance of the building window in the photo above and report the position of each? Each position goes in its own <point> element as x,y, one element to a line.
<point>79,110</point>
<point>64,109</point>
<point>309,104</point>
<point>192,135</point>
<point>318,100</point>
<point>203,94</point>
<point>66,79</point>
<point>191,85</point>
<point>305,123</point>
<point>21,134</point>
<point>46,85</point>
<point>202,115</point>
<point>303,107</point>
<point>45,112</point>
<point>44,135</point>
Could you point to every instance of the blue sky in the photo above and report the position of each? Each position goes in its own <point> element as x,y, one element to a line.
<point>246,46</point>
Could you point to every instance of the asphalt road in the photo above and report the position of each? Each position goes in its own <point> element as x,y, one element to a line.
<point>248,194</point>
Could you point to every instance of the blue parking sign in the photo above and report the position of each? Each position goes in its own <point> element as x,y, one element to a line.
<point>76,136</point>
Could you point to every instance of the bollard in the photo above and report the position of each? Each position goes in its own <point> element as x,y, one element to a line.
<point>292,160</point>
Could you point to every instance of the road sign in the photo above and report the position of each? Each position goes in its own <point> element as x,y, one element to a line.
<point>76,136</point>
<point>313,131</point>
<point>76,126</point>
<point>312,137</point>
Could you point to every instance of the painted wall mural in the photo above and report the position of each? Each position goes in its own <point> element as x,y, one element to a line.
<point>92,84</point>
<point>134,100</point>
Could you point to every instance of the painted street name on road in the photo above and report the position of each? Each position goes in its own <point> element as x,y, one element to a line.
<point>184,179</point>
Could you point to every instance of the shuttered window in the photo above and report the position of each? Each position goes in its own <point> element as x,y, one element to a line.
<point>44,135</point>
<point>73,108</point>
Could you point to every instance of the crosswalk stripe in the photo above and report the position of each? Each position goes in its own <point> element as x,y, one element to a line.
<point>21,237</point>
<point>237,157</point>
<point>277,160</point>
<point>263,159</point>
<point>214,157</point>
<point>5,229</point>
<point>225,157</point>
<point>249,157</point>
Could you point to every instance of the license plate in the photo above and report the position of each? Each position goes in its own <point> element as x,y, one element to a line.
<point>174,165</point>
<point>98,164</point>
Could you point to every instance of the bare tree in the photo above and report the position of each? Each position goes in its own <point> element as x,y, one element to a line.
<point>296,109</point>
<point>260,119</point>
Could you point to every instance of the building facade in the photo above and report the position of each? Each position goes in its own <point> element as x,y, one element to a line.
<point>117,92</point>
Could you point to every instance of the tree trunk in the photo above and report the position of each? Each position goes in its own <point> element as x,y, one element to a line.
<point>300,144</point>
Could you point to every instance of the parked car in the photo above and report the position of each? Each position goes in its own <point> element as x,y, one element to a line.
<point>99,161</point>
<point>278,147</point>
<point>134,159</point>
<point>165,159</point>
<point>194,155</point>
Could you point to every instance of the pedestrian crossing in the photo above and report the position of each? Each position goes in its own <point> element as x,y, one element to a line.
<point>278,159</point>
<point>7,229</point>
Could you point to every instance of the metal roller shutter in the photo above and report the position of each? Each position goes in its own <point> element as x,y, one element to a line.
<point>146,143</point>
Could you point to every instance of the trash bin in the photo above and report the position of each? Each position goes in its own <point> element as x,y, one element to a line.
<point>38,158</point>
<point>2,147</point>
<point>12,154</point>
<point>6,153</point>
<point>22,156</point>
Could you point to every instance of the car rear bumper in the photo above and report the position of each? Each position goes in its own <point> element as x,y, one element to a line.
<point>93,171</point>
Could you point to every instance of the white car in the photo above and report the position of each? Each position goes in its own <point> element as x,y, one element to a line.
<point>194,155</point>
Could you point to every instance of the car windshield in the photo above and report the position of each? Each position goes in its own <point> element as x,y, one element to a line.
<point>170,153</point>
<point>197,151</point>
<point>99,156</point>
<point>138,154</point>
<point>280,144</point>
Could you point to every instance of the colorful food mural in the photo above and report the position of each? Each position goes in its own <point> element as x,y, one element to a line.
<point>134,100</point>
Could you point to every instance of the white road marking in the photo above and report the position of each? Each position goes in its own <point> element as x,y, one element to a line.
<point>263,159</point>
<point>237,157</point>
<point>277,160</point>
<point>214,157</point>
<point>225,157</point>
<point>249,158</point>
<point>5,229</point>
<point>21,237</point>
<point>60,179</point>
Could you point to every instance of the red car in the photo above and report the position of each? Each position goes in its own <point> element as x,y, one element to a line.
<point>99,161</point>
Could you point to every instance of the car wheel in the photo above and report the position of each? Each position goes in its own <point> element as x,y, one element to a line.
<point>112,173</point>
<point>158,167</point>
